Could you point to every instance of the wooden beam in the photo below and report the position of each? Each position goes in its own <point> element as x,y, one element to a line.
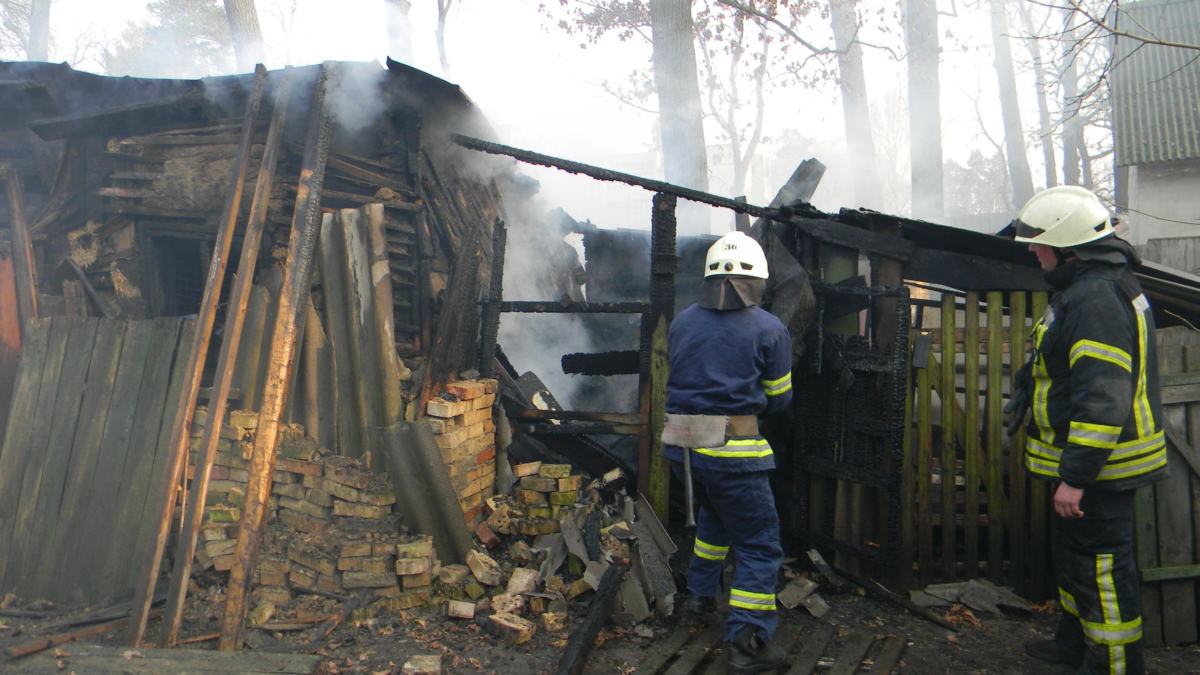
<point>235,321</point>
<point>293,292</point>
<point>27,300</point>
<point>182,425</point>
<point>971,273</point>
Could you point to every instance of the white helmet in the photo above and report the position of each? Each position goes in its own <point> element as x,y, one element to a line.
<point>1062,217</point>
<point>736,254</point>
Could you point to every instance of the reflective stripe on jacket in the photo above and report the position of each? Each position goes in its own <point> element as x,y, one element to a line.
<point>1096,414</point>
<point>735,362</point>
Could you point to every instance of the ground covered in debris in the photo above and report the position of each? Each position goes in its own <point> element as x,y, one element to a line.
<point>984,643</point>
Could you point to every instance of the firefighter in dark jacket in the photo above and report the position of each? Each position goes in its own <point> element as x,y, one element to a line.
<point>730,361</point>
<point>1095,427</point>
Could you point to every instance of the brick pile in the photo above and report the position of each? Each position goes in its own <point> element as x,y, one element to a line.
<point>332,528</point>
<point>462,423</point>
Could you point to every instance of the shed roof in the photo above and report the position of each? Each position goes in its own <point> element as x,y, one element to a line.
<point>1156,88</point>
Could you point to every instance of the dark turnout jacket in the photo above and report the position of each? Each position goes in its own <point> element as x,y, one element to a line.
<point>1096,414</point>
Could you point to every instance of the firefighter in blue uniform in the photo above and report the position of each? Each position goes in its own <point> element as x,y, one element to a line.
<point>1096,424</point>
<point>730,361</point>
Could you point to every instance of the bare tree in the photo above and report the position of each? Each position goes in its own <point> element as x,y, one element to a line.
<point>1045,131</point>
<point>399,30</point>
<point>924,110</point>
<point>1010,110</point>
<point>248,46</point>
<point>443,12</point>
<point>856,112</point>
<point>39,30</point>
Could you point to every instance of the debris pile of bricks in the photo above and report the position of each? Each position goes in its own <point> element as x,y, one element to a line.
<point>461,418</point>
<point>332,531</point>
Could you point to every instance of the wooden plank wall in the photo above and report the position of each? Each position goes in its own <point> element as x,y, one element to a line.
<point>1182,253</point>
<point>1168,513</point>
<point>977,513</point>
<point>87,431</point>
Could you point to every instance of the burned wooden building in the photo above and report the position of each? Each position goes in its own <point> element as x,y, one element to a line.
<point>371,276</point>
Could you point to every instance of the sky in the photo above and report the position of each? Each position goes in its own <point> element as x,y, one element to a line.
<point>541,91</point>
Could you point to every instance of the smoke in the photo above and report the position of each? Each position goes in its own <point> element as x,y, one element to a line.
<point>356,95</point>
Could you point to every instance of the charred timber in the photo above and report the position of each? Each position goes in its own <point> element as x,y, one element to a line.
<point>534,415</point>
<point>584,428</point>
<point>604,363</point>
<point>614,176</point>
<point>548,307</point>
<point>125,119</point>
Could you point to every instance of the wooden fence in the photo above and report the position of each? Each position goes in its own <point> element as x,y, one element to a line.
<point>1168,526</point>
<point>970,508</point>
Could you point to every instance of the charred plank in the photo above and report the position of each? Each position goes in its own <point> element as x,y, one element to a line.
<point>623,362</point>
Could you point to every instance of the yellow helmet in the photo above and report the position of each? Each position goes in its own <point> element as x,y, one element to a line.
<point>1062,217</point>
<point>736,254</point>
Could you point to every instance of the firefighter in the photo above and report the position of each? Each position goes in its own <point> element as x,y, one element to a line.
<point>1096,425</point>
<point>730,361</point>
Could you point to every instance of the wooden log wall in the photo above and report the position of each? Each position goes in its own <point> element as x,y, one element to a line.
<point>1168,512</point>
<point>974,512</point>
<point>74,484</point>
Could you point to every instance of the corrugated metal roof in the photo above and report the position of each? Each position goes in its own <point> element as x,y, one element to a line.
<point>1156,89</point>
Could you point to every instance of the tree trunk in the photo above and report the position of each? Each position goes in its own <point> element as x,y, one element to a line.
<point>855,109</point>
<point>443,11</point>
<point>1073,147</point>
<point>680,119</point>
<point>1010,111</point>
<point>399,30</point>
<point>248,47</point>
<point>924,108</point>
<point>1039,75</point>
<point>39,31</point>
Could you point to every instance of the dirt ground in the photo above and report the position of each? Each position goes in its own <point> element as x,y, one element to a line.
<point>989,644</point>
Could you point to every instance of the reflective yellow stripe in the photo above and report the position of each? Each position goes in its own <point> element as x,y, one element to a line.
<point>1100,436</point>
<point>1112,631</point>
<point>751,600</point>
<point>709,551</point>
<point>1068,602</point>
<point>1130,458</point>
<point>1137,446</point>
<point>777,387</point>
<point>1142,414</point>
<point>758,448</point>
<point>1099,350</point>
<point>1135,467</point>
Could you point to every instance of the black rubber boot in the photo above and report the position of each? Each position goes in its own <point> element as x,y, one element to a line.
<point>749,654</point>
<point>1050,651</point>
<point>700,610</point>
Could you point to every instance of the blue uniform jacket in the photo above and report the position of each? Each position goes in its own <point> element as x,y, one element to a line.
<point>735,362</point>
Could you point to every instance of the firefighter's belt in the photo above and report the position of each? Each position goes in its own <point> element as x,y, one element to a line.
<point>706,431</point>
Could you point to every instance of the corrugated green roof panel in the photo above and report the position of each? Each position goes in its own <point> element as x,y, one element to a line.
<point>1156,89</point>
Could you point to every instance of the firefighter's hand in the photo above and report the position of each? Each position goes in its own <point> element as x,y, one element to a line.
<point>1066,501</point>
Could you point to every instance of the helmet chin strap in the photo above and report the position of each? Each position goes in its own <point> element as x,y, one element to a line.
<point>724,293</point>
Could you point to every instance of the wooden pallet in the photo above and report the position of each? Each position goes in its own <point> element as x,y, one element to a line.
<point>703,652</point>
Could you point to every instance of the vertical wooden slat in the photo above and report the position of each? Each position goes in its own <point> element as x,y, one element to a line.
<point>10,339</point>
<point>1191,362</point>
<point>948,456</point>
<point>1175,522</point>
<point>391,369</point>
<point>22,246</point>
<point>1041,575</point>
<point>1017,479</point>
<point>924,460</point>
<point>652,394</point>
<point>908,483</point>
<point>293,291</point>
<point>995,435</point>
<point>972,459</point>
<point>349,427</point>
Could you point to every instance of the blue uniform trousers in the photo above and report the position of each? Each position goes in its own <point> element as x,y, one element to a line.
<point>737,512</point>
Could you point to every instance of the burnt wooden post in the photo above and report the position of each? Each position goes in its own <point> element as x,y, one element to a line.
<point>653,477</point>
<point>181,426</point>
<point>27,301</point>
<point>292,298</point>
<point>235,320</point>
<point>491,312</point>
